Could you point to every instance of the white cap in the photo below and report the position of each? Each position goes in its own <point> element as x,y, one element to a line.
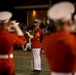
<point>61,11</point>
<point>5,16</point>
<point>37,21</point>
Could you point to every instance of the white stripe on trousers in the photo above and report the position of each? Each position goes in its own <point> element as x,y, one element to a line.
<point>37,58</point>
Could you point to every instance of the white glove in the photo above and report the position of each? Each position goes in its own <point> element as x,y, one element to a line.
<point>27,33</point>
<point>18,30</point>
<point>31,36</point>
<point>13,24</point>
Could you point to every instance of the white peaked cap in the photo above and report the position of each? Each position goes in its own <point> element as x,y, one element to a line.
<point>61,11</point>
<point>5,16</point>
<point>37,20</point>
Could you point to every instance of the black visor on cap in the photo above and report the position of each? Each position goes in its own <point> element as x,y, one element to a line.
<point>36,22</point>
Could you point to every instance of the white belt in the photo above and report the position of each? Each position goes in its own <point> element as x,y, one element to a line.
<point>57,73</point>
<point>6,56</point>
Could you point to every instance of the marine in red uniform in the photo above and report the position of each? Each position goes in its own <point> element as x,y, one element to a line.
<point>60,47</point>
<point>7,42</point>
<point>36,45</point>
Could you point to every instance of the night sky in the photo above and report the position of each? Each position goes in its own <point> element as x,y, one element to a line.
<point>55,1</point>
<point>8,5</point>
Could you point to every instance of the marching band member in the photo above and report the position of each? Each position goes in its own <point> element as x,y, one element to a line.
<point>7,42</point>
<point>60,47</point>
<point>36,45</point>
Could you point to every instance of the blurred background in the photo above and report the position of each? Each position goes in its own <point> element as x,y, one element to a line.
<point>25,11</point>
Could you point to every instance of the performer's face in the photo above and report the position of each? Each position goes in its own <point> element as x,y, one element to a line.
<point>36,24</point>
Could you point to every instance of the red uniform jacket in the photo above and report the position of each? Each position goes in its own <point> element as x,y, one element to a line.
<point>60,51</point>
<point>7,42</point>
<point>36,39</point>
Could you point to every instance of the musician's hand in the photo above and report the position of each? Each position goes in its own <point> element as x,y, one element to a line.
<point>27,33</point>
<point>13,24</point>
<point>31,36</point>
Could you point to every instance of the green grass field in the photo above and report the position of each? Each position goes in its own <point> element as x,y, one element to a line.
<point>24,63</point>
